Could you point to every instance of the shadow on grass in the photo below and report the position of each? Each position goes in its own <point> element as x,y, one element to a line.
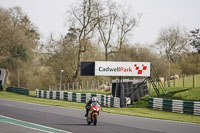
<point>143,103</point>
<point>171,94</point>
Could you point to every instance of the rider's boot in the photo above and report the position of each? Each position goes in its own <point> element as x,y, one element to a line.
<point>86,113</point>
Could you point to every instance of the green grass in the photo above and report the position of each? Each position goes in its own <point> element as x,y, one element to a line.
<point>179,93</point>
<point>156,114</point>
<point>188,81</point>
<point>139,109</point>
<point>189,94</point>
<point>33,99</point>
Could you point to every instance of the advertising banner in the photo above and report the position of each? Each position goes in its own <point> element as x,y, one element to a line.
<point>114,68</point>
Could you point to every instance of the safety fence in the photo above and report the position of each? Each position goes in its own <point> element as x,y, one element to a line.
<point>107,101</point>
<point>178,106</point>
<point>18,90</point>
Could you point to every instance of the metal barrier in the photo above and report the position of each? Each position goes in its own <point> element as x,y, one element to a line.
<point>107,101</point>
<point>22,91</point>
<point>178,106</point>
<point>2,78</point>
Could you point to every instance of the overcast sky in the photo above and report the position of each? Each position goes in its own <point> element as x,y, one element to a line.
<point>48,15</point>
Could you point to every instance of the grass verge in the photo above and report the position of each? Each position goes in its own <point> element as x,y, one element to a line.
<point>187,93</point>
<point>138,109</point>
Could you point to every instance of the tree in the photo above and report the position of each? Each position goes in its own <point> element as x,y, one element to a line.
<point>16,42</point>
<point>107,20</point>
<point>84,19</point>
<point>142,54</point>
<point>190,63</point>
<point>21,20</point>
<point>114,26</point>
<point>126,23</point>
<point>12,41</point>
<point>172,41</point>
<point>63,55</point>
<point>195,39</point>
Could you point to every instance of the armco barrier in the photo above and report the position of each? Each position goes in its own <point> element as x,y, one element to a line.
<point>178,106</point>
<point>104,100</point>
<point>18,90</point>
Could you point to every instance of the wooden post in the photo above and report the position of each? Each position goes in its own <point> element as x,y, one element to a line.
<point>156,83</point>
<point>98,84</point>
<point>73,86</point>
<point>183,80</point>
<point>193,81</point>
<point>77,84</point>
<point>64,87</point>
<point>81,85</point>
<point>91,86</point>
<point>67,85</point>
<point>95,83</point>
<point>164,82</point>
<point>150,88</point>
<point>167,82</point>
<point>87,85</point>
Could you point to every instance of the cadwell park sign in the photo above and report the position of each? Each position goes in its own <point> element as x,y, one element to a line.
<point>114,68</point>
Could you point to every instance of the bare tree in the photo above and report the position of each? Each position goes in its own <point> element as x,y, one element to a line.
<point>84,19</point>
<point>172,41</point>
<point>107,21</point>
<point>195,39</point>
<point>114,19</point>
<point>126,23</point>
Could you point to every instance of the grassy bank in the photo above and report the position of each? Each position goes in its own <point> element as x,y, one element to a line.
<point>139,109</point>
<point>187,81</point>
<point>180,93</point>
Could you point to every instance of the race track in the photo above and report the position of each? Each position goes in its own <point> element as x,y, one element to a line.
<point>72,120</point>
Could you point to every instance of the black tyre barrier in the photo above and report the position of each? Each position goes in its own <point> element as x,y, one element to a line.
<point>22,91</point>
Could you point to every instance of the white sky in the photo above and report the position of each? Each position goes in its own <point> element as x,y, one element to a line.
<point>48,15</point>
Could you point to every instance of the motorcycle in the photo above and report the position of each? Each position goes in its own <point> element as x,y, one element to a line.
<point>93,114</point>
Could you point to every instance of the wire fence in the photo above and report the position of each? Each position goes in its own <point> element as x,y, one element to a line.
<point>191,81</point>
<point>92,85</point>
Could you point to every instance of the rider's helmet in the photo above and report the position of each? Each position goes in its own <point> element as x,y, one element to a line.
<point>94,99</point>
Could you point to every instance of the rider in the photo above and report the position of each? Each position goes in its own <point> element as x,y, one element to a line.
<point>88,104</point>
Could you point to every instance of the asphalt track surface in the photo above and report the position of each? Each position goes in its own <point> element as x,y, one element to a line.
<point>72,120</point>
<point>9,128</point>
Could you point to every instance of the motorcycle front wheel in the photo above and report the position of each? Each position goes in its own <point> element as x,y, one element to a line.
<point>95,120</point>
<point>88,122</point>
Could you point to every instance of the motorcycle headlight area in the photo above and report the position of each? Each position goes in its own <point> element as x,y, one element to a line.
<point>96,109</point>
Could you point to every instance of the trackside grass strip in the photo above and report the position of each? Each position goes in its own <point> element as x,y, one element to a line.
<point>139,109</point>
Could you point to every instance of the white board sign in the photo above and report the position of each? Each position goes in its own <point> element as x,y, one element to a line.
<point>112,68</point>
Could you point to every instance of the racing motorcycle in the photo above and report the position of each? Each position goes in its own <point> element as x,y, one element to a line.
<point>93,114</point>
